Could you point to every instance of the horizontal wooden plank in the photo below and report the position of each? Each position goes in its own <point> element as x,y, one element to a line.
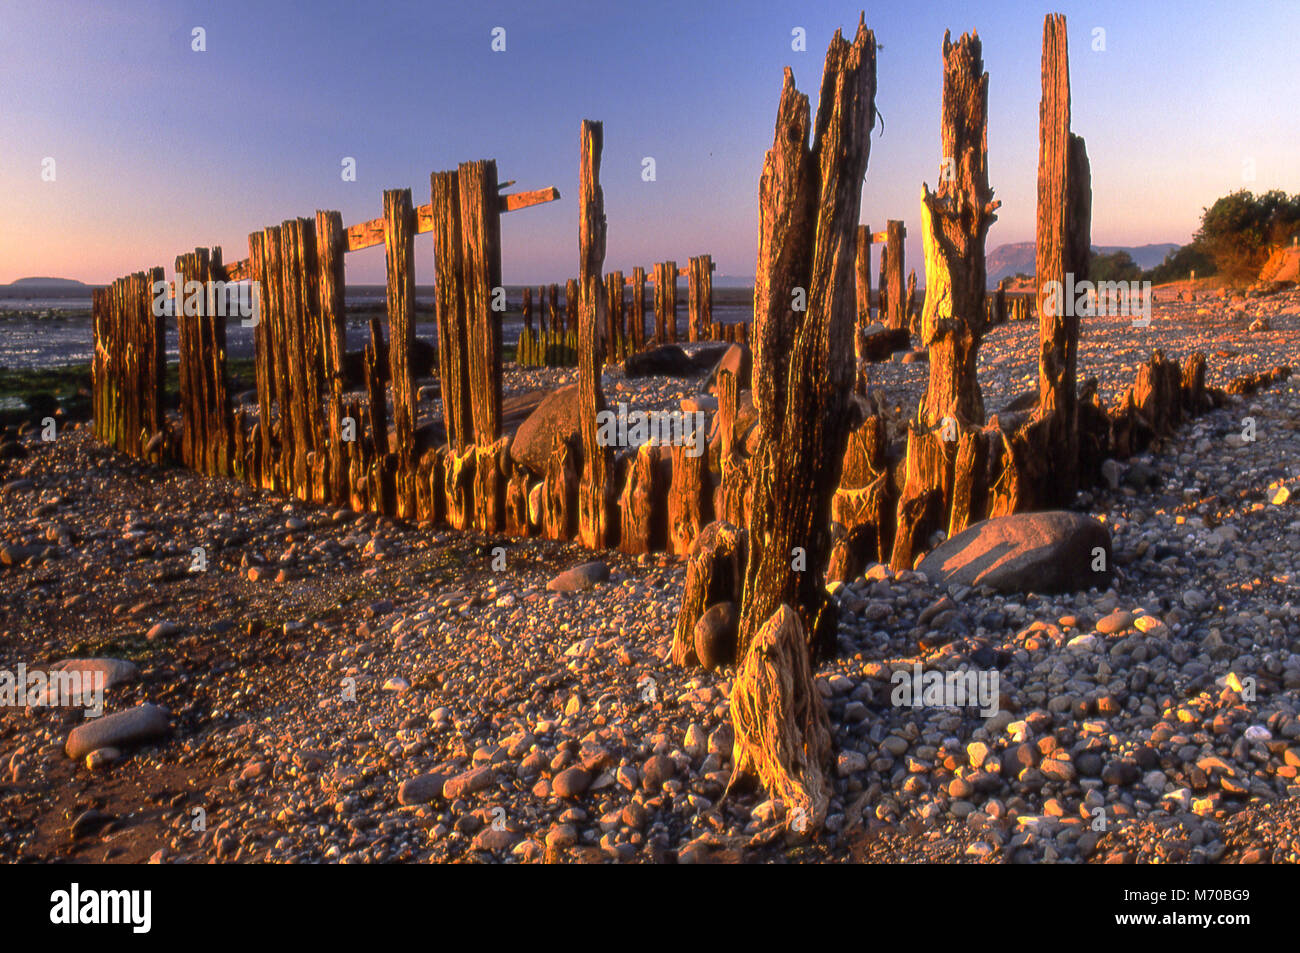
<point>371,233</point>
<point>366,234</point>
<point>518,200</point>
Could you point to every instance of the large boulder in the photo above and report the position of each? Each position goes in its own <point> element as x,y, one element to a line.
<point>736,358</point>
<point>1054,551</point>
<point>879,342</point>
<point>706,354</point>
<point>109,672</point>
<point>666,360</point>
<point>584,576</point>
<point>715,635</point>
<point>424,363</point>
<point>555,417</point>
<point>131,727</point>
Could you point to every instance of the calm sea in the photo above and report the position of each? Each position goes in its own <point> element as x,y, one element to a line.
<point>38,332</point>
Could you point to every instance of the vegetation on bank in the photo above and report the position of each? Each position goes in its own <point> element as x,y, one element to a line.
<point>1236,236</point>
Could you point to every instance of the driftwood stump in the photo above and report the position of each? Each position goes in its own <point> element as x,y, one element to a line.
<point>803,363</point>
<point>1063,247</point>
<point>714,573</point>
<point>782,735</point>
<point>643,503</point>
<point>954,222</point>
<point>597,513</point>
<point>690,499</point>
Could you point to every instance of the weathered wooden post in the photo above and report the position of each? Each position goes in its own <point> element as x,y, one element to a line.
<point>616,331</point>
<point>1040,465</point>
<point>690,498</point>
<point>665,281</point>
<point>480,218</point>
<point>99,360</point>
<point>523,349</point>
<point>399,249</point>
<point>636,317</point>
<point>661,320</point>
<point>643,525</point>
<point>313,366</point>
<point>298,350</point>
<point>862,275</point>
<point>376,376</point>
<point>895,233</point>
<point>453,334</point>
<point>733,497</point>
<point>597,512</point>
<point>553,309</point>
<point>118,363</point>
<point>571,306</point>
<point>803,379</point>
<point>1063,240</point>
<point>699,298</point>
<point>330,248</point>
<point>668,287</point>
<point>803,365</point>
<point>278,360</point>
<point>153,364</point>
<point>882,288</point>
<point>913,316</point>
<point>263,362</point>
<point>954,222</point>
<point>186,364</point>
<point>706,291</point>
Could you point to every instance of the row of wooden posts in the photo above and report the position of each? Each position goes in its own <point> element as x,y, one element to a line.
<point>310,438</point>
<point>553,341</point>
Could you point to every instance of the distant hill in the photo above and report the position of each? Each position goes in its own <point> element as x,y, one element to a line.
<point>31,284</point>
<point>1018,257</point>
<point>1006,261</point>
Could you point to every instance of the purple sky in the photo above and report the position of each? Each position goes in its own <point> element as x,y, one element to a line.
<point>158,148</point>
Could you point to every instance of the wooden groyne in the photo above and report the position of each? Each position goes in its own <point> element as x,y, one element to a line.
<point>313,436</point>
